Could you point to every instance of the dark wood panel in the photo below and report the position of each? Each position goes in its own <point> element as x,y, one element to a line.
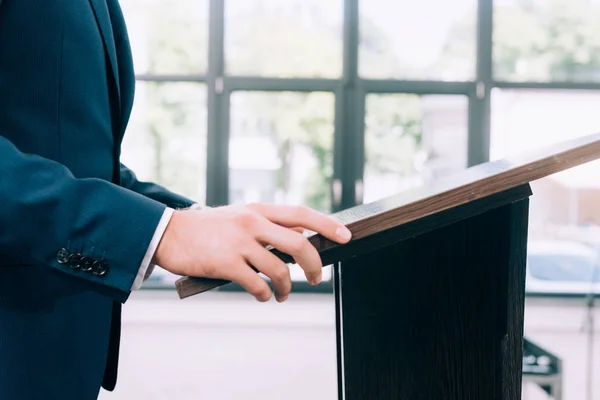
<point>467,186</point>
<point>512,343</point>
<point>438,316</point>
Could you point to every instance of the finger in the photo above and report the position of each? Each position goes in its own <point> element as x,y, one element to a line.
<point>270,265</point>
<point>294,244</point>
<point>299,230</point>
<point>247,278</point>
<point>299,216</point>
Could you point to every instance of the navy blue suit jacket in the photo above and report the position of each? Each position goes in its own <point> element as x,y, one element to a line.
<point>74,222</point>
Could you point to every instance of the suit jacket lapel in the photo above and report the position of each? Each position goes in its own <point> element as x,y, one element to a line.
<point>103,19</point>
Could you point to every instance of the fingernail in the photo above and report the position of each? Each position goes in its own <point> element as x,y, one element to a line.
<point>343,233</point>
<point>317,280</point>
<point>282,299</point>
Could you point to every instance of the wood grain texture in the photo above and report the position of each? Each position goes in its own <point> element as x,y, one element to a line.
<point>436,325</point>
<point>464,187</point>
<point>512,343</point>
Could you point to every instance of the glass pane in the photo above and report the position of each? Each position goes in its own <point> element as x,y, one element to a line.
<point>281,148</point>
<point>523,120</point>
<point>168,36</point>
<point>410,139</point>
<point>281,151</point>
<point>556,40</point>
<point>291,38</point>
<point>404,39</point>
<point>166,138</point>
<point>564,217</point>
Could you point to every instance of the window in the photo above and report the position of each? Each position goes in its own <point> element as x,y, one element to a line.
<point>168,36</point>
<point>418,40</point>
<point>281,148</point>
<point>411,138</point>
<point>292,38</point>
<point>546,41</point>
<point>166,138</point>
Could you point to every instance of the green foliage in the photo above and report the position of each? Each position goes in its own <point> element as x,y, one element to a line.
<point>557,41</point>
<point>293,120</point>
<point>393,132</point>
<point>273,46</point>
<point>174,122</point>
<point>178,37</point>
<point>376,54</point>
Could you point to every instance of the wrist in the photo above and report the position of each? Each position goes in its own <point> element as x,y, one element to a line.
<point>168,253</point>
<point>160,255</point>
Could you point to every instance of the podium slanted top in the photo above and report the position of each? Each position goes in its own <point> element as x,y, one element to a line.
<point>485,185</point>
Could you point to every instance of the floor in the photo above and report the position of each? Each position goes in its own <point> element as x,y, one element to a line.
<point>226,346</point>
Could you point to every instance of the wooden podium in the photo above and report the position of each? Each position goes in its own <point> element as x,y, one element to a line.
<point>430,292</point>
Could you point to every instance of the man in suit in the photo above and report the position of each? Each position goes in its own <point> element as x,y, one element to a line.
<point>78,231</point>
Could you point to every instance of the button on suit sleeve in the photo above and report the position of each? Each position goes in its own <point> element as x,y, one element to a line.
<point>87,228</point>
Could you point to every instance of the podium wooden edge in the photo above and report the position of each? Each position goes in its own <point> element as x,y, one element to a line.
<point>189,286</point>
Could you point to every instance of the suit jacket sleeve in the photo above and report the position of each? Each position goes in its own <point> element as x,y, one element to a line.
<point>152,190</point>
<point>79,227</point>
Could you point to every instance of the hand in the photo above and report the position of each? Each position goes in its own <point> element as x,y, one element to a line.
<point>224,242</point>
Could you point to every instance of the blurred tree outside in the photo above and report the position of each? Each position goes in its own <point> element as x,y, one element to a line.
<point>393,133</point>
<point>555,42</point>
<point>294,119</point>
<point>174,123</point>
<point>175,113</point>
<point>294,122</point>
<point>177,35</point>
<point>296,39</point>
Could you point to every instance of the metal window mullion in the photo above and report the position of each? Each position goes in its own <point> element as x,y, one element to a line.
<point>480,95</point>
<point>583,86</point>
<point>349,133</point>
<point>250,83</point>
<point>388,86</point>
<point>217,174</point>
<point>170,78</point>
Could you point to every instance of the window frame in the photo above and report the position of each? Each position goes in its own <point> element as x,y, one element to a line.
<point>350,91</point>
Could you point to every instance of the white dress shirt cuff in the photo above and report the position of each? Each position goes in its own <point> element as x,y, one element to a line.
<point>146,268</point>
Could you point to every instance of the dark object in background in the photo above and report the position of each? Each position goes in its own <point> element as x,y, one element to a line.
<point>542,368</point>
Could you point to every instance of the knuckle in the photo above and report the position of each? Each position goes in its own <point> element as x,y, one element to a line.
<point>262,293</point>
<point>245,218</point>
<point>281,274</point>
<point>254,206</point>
<point>299,244</point>
<point>300,212</point>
